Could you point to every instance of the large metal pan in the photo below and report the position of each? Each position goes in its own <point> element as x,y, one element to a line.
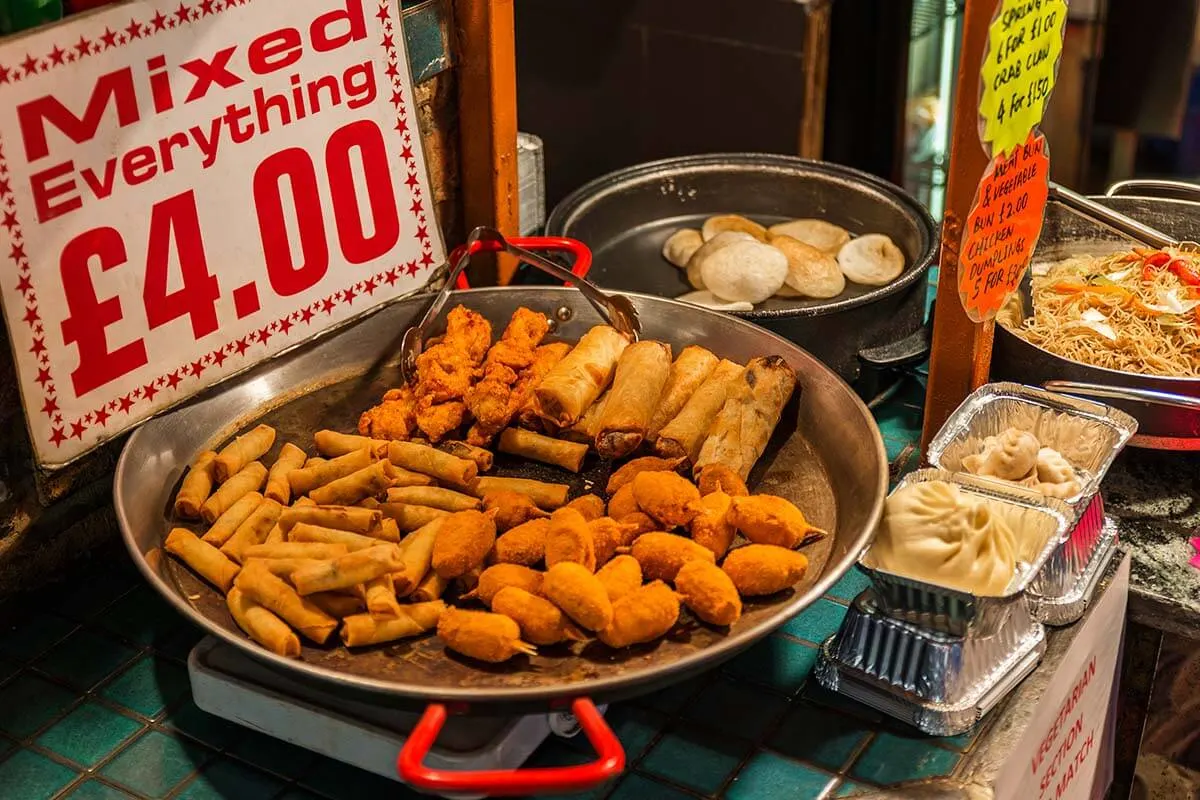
<point>1167,409</point>
<point>826,455</point>
<point>626,216</point>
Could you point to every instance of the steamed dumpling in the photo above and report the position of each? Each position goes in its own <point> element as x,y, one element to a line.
<point>745,270</point>
<point>811,273</point>
<point>871,260</point>
<point>933,532</point>
<point>681,246</point>
<point>1012,456</point>
<point>711,246</point>
<point>1052,467</point>
<point>825,236</point>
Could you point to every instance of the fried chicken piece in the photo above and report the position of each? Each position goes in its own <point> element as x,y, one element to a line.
<point>760,569</point>
<point>524,333</point>
<point>709,593</point>
<point>469,332</point>
<point>641,616</point>
<point>482,635</point>
<point>492,399</point>
<point>666,497</point>
<point>444,373</point>
<point>662,555</point>
<point>766,519</point>
<point>394,418</point>
<point>437,420</point>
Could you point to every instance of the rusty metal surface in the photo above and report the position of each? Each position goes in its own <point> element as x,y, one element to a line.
<point>826,456</point>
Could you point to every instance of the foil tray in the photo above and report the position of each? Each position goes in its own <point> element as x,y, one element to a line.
<point>1089,435</point>
<point>941,684</point>
<point>1045,522</point>
<point>1062,590</point>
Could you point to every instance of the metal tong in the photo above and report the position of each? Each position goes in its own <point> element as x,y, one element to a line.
<point>617,310</point>
<point>1113,220</point>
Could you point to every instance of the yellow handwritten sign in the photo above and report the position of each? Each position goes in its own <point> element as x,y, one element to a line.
<point>1025,41</point>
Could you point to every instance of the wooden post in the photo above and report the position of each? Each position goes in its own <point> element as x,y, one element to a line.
<point>487,111</point>
<point>962,350</point>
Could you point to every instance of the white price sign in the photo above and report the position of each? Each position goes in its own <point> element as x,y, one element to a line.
<point>187,188</point>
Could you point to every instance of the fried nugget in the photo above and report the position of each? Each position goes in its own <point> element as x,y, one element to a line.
<point>665,497</point>
<point>541,622</point>
<point>759,569</point>
<point>620,576</point>
<point>720,478</point>
<point>622,504</point>
<point>524,544</point>
<point>590,505</point>
<point>512,508</point>
<point>463,542</point>
<point>499,576</point>
<point>438,420</point>
<point>608,535</point>
<point>443,374</point>
<point>631,469</point>
<point>469,332</point>
<point>643,615</point>
<point>394,418</point>
<point>661,555</point>
<point>766,519</point>
<point>711,526</point>
<point>482,635</point>
<point>570,539</point>
<point>579,594</point>
<point>709,593</point>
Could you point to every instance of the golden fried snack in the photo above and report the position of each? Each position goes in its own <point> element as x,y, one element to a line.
<point>590,505</point>
<point>638,382</point>
<point>284,567</point>
<point>249,479</point>
<point>623,503</point>
<point>569,539</point>
<point>607,536</point>
<point>349,570</point>
<point>232,518</point>
<point>541,622</point>
<point>709,593</point>
<point>433,497</point>
<point>253,530</point>
<point>575,590</point>
<point>406,477</point>
<point>575,382</point>
<point>438,420</point>
<point>759,569</point>
<point>204,559</point>
<point>632,468</point>
<point>434,463</point>
<point>588,426</point>
<point>275,535</point>
<point>643,615</point>
<point>740,433</point>
<point>348,490</point>
<point>466,584</point>
<point>279,488</point>
<point>332,444</point>
<point>512,509</point>
<point>498,576</point>
<point>766,519</point>
<point>381,597</point>
<point>414,619</point>
<point>482,458</point>
<point>524,544</point>
<point>636,523</point>
<point>338,604</point>
<point>416,551</point>
<point>196,486</point>
<point>386,531</point>
<point>720,478</point>
<point>410,518</point>
<point>261,625</point>
<point>548,496</point>
<point>665,496</point>
<point>711,527</point>
<point>243,450</point>
<point>684,435</point>
<point>306,532</point>
<point>394,418</point>
<point>317,550</point>
<point>535,446</point>
<point>688,372</point>
<point>257,582</point>
<point>305,480</point>
<point>463,541</point>
<point>431,587</point>
<point>663,554</point>
<point>620,577</point>
<point>482,635</point>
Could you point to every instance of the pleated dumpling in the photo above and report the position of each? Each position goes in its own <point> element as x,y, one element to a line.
<point>933,532</point>
<point>1012,456</point>
<point>1052,467</point>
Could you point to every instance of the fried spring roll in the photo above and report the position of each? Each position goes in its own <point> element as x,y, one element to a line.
<point>249,479</point>
<point>332,444</point>
<point>242,451</point>
<point>304,502</point>
<point>642,372</point>
<point>351,569</point>
<point>527,444</point>
<point>431,587</point>
<point>406,477</point>
<point>588,426</point>
<point>253,531</point>
<point>575,382</point>
<point>284,567</point>
<point>684,435</point>
<point>202,557</point>
<point>304,480</point>
<point>314,550</point>
<point>689,371</point>
<point>279,488</point>
<point>386,531</point>
<point>410,518</point>
<point>428,461</point>
<point>257,582</point>
<point>338,604</point>
<point>741,431</point>
<point>276,536</point>
<point>360,630</point>
<point>261,625</point>
<point>416,551</point>
<point>483,458</point>
<point>548,496</point>
<point>433,497</point>
<point>343,518</point>
<point>197,485</point>
<point>315,461</point>
<point>304,532</point>
<point>356,486</point>
<point>228,523</point>
<point>381,597</point>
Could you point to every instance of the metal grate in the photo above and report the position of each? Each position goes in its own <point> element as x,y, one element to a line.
<point>930,15</point>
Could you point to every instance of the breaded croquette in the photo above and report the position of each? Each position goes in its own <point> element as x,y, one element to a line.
<point>631,469</point>
<point>541,622</point>
<point>570,540</point>
<point>622,503</point>
<point>575,590</point>
<point>482,635</point>
<point>766,519</point>
<point>463,542</point>
<point>591,506</point>
<point>665,496</point>
<point>709,593</point>
<point>662,554</point>
<point>500,576</point>
<point>512,508</point>
<point>759,569</point>
<point>643,615</point>
<point>524,544</point>
<point>711,527</point>
<point>620,576</point>
<point>720,478</point>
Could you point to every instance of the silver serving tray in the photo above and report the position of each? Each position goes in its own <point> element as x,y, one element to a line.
<point>1063,589</point>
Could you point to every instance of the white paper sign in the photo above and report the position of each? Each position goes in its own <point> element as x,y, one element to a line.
<point>1061,755</point>
<point>187,188</point>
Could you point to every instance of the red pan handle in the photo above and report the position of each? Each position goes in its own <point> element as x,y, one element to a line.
<point>610,761</point>
<point>583,256</point>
